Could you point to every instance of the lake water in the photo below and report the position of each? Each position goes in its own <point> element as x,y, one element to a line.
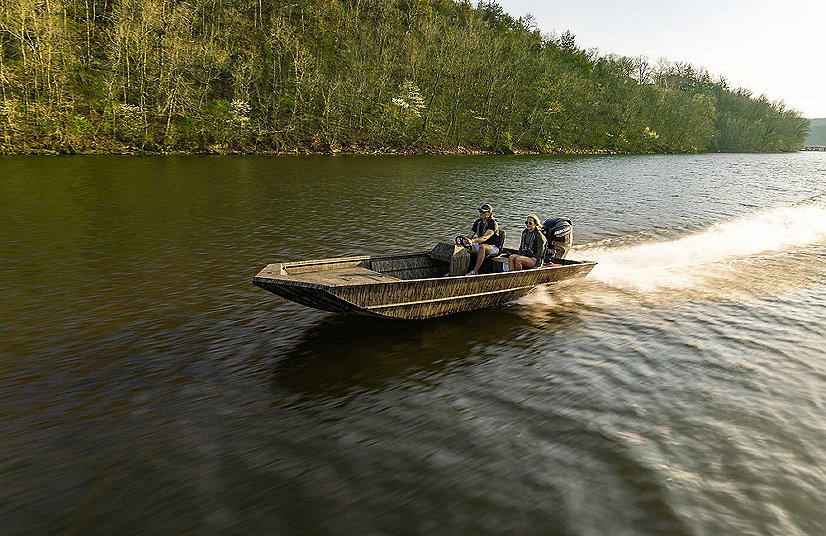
<point>147,387</point>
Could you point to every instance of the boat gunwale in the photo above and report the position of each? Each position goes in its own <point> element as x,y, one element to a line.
<point>334,260</point>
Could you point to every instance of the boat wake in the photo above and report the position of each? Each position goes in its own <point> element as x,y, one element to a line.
<point>765,252</point>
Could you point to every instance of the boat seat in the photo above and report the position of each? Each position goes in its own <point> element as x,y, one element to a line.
<point>500,244</point>
<point>498,262</point>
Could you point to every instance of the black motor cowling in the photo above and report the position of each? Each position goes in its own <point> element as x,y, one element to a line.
<point>560,235</point>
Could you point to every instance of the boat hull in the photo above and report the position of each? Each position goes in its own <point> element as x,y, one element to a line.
<point>354,285</point>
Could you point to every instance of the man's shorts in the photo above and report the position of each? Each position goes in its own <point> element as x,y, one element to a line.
<point>494,250</point>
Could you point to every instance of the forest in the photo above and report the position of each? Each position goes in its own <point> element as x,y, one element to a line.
<point>352,76</point>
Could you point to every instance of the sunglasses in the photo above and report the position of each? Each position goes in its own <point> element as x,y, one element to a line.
<point>530,222</point>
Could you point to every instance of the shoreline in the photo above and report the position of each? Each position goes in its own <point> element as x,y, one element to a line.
<point>341,151</point>
<point>304,151</point>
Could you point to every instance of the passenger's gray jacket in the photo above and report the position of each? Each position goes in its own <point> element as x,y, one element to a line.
<point>533,245</point>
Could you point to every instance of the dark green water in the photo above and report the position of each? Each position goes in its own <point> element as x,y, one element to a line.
<point>147,387</point>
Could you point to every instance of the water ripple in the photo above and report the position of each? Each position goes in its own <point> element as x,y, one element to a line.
<point>149,387</point>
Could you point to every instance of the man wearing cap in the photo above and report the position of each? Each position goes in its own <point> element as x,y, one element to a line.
<point>484,235</point>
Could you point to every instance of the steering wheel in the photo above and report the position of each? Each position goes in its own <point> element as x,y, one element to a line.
<point>464,242</point>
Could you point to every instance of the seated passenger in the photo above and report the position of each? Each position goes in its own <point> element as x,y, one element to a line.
<point>484,236</point>
<point>531,248</point>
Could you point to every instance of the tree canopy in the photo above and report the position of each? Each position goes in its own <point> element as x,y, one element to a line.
<point>348,75</point>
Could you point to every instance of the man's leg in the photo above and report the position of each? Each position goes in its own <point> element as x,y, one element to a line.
<point>484,249</point>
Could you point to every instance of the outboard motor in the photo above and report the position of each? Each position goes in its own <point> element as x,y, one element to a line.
<point>560,235</point>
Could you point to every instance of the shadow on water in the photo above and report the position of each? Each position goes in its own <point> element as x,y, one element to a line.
<point>342,358</point>
<point>343,354</point>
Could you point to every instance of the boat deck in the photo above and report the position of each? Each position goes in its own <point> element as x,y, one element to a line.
<point>350,275</point>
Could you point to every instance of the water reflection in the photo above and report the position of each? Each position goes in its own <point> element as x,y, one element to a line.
<point>343,354</point>
<point>351,353</point>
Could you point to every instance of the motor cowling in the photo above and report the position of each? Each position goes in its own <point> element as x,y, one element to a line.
<point>560,235</point>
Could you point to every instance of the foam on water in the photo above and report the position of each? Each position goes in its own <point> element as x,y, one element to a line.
<point>767,252</point>
<point>689,261</point>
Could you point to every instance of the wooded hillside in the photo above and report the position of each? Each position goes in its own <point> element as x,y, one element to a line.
<point>350,75</point>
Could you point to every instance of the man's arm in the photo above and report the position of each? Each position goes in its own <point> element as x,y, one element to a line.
<point>472,233</point>
<point>484,237</point>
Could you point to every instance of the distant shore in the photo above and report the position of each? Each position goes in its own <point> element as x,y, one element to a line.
<point>308,151</point>
<point>353,151</point>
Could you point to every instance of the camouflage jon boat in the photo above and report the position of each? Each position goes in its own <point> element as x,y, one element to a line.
<point>408,285</point>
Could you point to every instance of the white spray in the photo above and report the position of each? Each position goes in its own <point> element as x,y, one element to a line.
<point>684,263</point>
